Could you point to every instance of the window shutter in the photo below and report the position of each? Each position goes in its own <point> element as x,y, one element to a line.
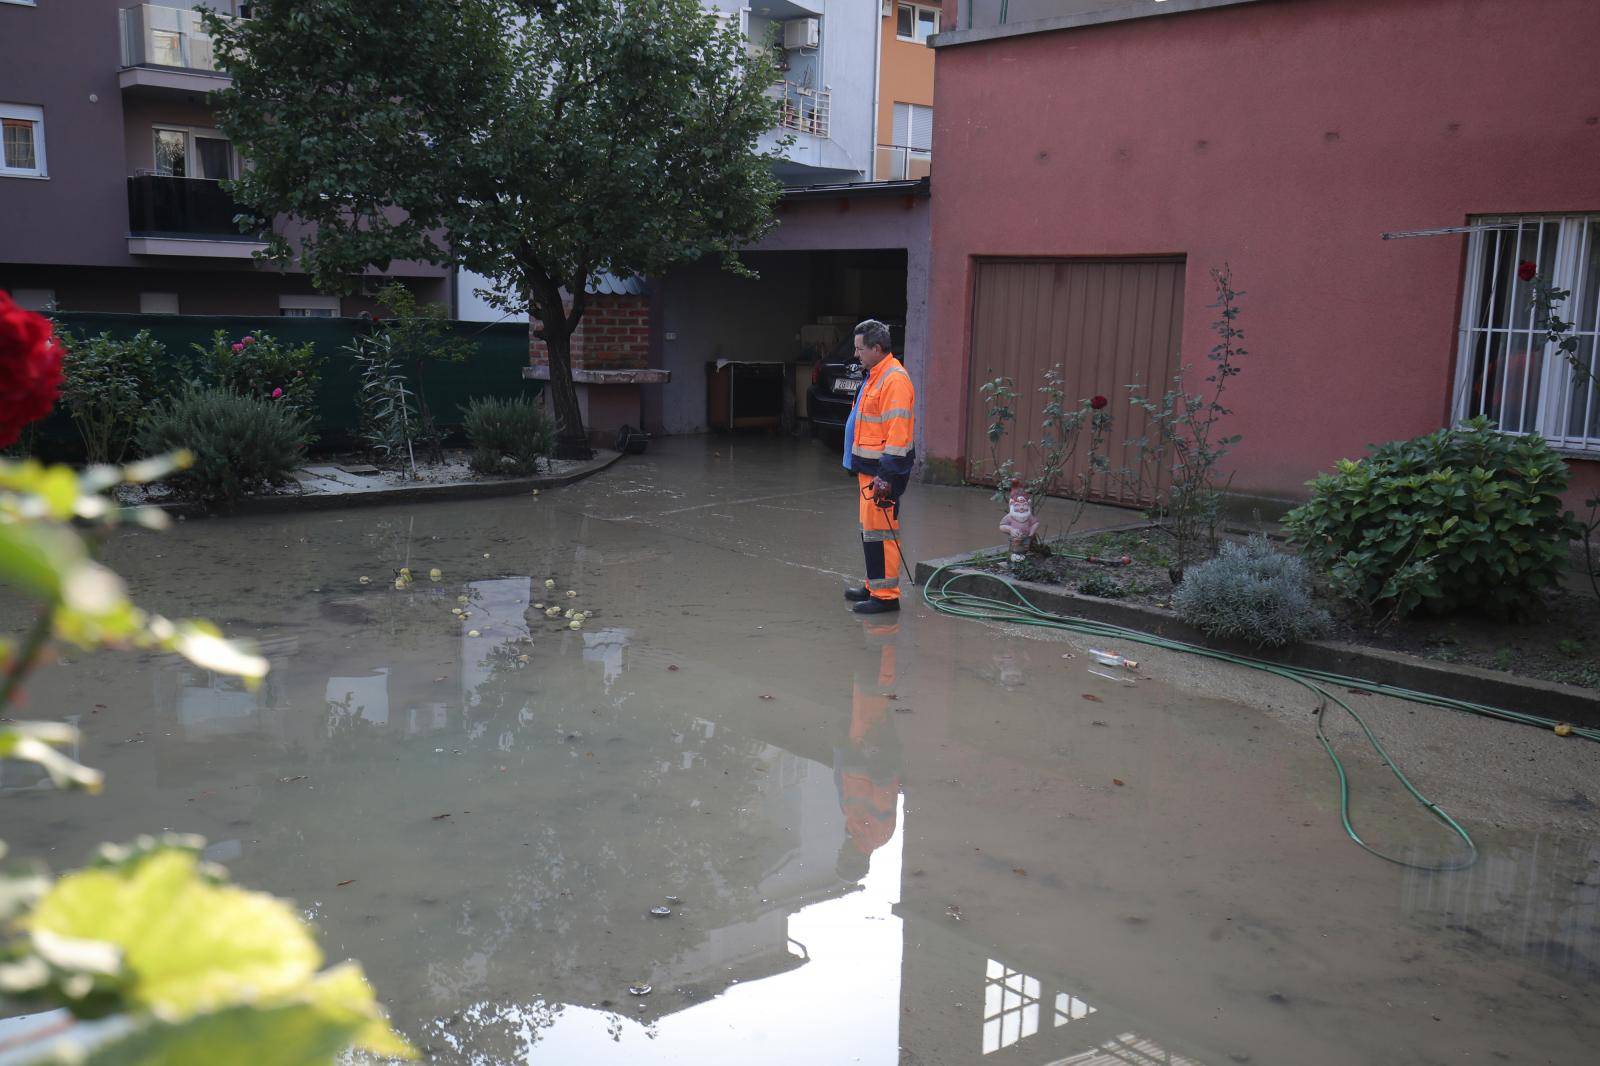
<point>902,124</point>
<point>921,128</point>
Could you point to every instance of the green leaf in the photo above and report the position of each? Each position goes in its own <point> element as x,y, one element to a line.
<point>31,742</point>
<point>185,945</point>
<point>334,1012</point>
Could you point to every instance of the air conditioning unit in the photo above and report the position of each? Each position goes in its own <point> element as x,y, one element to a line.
<point>801,33</point>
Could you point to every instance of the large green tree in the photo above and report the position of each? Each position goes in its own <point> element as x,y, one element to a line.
<point>538,142</point>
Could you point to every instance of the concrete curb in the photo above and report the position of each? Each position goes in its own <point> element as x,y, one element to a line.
<point>469,490</point>
<point>1567,703</point>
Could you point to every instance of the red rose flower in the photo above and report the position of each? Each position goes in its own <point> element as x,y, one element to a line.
<point>1099,402</point>
<point>1526,270</point>
<point>30,369</point>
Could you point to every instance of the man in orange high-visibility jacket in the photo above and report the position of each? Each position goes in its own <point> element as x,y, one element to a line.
<point>880,456</point>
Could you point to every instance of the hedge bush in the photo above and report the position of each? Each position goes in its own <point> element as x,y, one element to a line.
<point>504,434</point>
<point>108,385</point>
<point>1464,517</point>
<point>240,443</point>
<point>1251,592</point>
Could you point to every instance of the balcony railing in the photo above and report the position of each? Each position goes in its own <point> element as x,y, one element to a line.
<point>187,208</point>
<point>896,162</point>
<point>154,36</point>
<point>802,109</point>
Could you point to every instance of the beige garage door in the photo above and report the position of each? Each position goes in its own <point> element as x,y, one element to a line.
<point>1110,323</point>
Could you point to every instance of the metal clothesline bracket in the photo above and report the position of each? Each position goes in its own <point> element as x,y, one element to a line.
<point>1446,231</point>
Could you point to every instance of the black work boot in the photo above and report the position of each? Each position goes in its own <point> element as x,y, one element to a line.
<point>876,606</point>
<point>858,594</point>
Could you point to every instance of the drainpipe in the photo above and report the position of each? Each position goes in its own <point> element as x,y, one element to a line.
<point>877,76</point>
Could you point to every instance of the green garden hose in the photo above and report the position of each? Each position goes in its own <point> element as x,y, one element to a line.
<point>939,595</point>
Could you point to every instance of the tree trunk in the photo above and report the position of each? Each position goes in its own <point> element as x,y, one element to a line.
<point>572,440</point>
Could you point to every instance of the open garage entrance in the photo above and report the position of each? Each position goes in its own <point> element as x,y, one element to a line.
<point>741,349</point>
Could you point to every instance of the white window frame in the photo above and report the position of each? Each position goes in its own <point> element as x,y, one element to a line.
<point>1519,238</point>
<point>27,113</point>
<point>308,306</point>
<point>917,11</point>
<point>191,153</point>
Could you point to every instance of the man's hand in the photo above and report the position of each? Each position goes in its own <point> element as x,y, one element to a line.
<point>881,492</point>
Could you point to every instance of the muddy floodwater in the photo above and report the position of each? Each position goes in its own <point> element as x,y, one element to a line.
<point>930,841</point>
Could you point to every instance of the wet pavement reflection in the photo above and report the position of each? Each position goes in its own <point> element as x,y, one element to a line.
<point>916,842</point>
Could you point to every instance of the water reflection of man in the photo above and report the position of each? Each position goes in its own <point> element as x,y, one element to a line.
<point>866,760</point>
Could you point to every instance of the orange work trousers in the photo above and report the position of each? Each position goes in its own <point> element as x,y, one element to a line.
<point>880,531</point>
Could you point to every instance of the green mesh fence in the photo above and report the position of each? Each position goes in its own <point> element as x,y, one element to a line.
<point>495,370</point>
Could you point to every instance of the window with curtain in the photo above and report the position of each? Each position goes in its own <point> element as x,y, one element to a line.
<point>215,156</point>
<point>171,153</point>
<point>1505,369</point>
<point>21,141</point>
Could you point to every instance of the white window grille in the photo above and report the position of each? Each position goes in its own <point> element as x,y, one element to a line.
<point>22,141</point>
<point>1010,1006</point>
<point>1505,368</point>
<point>1070,1008</point>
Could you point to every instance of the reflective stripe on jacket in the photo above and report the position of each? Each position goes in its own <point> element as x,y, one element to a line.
<point>884,422</point>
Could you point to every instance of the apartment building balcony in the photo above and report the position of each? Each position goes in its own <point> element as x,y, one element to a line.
<point>166,51</point>
<point>188,217</point>
<point>899,162</point>
<point>780,10</point>
<point>803,109</point>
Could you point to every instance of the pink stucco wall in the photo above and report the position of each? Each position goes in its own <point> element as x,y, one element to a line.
<point>1283,137</point>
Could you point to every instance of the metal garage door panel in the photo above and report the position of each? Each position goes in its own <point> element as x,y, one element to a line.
<point>1109,323</point>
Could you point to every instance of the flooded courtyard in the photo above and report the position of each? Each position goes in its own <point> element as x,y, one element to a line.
<point>931,841</point>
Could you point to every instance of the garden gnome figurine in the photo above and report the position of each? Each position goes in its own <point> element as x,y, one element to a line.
<point>1019,523</point>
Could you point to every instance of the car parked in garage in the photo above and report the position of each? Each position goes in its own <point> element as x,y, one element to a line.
<point>836,379</point>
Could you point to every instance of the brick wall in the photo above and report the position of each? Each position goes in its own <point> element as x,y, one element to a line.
<point>614,335</point>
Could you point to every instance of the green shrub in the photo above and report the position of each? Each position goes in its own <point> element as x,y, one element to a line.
<point>1251,592</point>
<point>258,364</point>
<point>507,431</point>
<point>1465,517</point>
<point>107,387</point>
<point>390,424</point>
<point>1103,586</point>
<point>240,443</point>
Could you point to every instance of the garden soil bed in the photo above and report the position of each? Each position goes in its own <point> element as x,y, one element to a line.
<point>1558,640</point>
<point>339,481</point>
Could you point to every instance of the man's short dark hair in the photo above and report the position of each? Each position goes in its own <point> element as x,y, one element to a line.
<point>874,334</point>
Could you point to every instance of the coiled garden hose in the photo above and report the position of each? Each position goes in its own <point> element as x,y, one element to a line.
<point>939,595</point>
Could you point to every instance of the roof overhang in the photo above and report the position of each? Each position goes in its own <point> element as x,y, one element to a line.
<point>1086,13</point>
<point>920,188</point>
